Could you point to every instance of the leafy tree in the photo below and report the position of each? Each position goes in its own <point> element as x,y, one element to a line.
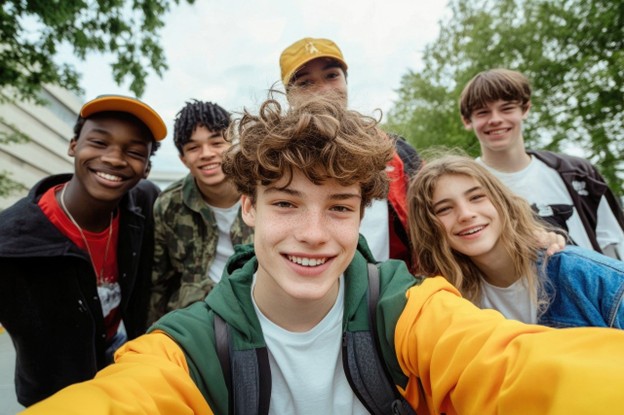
<point>32,31</point>
<point>571,50</point>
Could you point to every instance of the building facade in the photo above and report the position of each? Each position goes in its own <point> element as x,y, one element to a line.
<point>49,129</point>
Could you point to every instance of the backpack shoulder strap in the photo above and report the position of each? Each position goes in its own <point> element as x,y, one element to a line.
<point>364,364</point>
<point>247,374</point>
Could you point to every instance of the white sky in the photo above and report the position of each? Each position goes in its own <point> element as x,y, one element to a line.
<point>227,51</point>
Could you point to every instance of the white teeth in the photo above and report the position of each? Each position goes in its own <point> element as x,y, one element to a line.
<point>498,131</point>
<point>472,231</point>
<point>108,176</point>
<point>307,262</point>
<point>209,167</point>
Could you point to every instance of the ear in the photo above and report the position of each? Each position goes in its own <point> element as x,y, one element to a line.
<point>525,115</point>
<point>248,211</point>
<point>467,123</point>
<point>71,151</point>
<point>183,160</point>
<point>148,169</point>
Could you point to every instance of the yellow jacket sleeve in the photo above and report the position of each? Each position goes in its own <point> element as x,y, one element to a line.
<point>473,361</point>
<point>150,376</point>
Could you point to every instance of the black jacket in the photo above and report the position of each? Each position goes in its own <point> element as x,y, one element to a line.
<point>48,297</point>
<point>586,187</point>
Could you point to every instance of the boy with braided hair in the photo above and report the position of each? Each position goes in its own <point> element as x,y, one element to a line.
<point>197,219</point>
<point>305,176</point>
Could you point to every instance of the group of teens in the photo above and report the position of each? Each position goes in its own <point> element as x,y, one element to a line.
<point>271,231</point>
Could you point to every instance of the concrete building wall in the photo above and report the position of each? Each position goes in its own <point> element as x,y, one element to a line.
<point>49,129</point>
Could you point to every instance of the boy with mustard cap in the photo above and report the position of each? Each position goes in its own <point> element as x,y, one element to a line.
<point>76,253</point>
<point>317,66</point>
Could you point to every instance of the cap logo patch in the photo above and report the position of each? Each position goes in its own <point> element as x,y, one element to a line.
<point>311,49</point>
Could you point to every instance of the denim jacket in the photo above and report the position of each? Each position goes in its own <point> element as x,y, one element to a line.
<point>585,289</point>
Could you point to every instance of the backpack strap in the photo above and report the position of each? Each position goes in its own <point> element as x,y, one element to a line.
<point>364,364</point>
<point>247,374</point>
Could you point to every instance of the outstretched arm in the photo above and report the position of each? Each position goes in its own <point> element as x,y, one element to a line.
<point>150,376</point>
<point>475,361</point>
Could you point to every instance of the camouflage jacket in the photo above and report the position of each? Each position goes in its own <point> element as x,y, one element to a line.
<point>186,237</point>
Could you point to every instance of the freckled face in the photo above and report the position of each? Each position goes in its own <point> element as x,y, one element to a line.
<point>305,236</point>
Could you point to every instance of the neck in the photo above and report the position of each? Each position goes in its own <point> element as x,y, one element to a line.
<point>289,313</point>
<point>497,268</point>
<point>507,161</point>
<point>223,195</point>
<point>91,215</point>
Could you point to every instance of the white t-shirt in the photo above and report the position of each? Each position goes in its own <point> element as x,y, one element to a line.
<point>374,227</point>
<point>513,302</point>
<point>225,218</point>
<point>542,186</point>
<point>307,377</point>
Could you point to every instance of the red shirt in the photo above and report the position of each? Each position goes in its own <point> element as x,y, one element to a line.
<point>97,246</point>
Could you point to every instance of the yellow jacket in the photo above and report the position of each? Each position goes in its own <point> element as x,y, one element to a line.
<point>469,361</point>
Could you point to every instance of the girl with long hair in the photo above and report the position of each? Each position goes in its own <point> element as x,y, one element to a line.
<point>467,226</point>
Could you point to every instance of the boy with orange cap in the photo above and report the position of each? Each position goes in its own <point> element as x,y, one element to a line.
<point>76,253</point>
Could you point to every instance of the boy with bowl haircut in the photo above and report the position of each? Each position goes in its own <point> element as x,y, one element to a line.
<point>197,219</point>
<point>76,253</point>
<point>305,176</point>
<point>566,191</point>
<point>313,66</point>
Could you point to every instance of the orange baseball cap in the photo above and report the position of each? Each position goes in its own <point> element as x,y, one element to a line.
<point>133,106</point>
<point>305,50</point>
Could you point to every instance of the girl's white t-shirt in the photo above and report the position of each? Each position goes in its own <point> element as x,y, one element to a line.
<point>513,302</point>
<point>306,368</point>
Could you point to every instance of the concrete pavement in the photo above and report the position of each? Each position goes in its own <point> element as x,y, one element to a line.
<point>8,402</point>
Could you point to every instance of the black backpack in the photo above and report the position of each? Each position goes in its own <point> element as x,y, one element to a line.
<point>248,375</point>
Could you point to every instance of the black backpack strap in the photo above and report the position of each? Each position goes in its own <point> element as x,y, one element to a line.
<point>364,364</point>
<point>247,374</point>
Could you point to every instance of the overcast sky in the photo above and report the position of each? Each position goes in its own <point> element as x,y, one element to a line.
<point>227,51</point>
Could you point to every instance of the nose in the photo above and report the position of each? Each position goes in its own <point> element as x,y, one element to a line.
<point>312,229</point>
<point>495,117</point>
<point>207,151</point>
<point>464,212</point>
<point>115,157</point>
<point>323,86</point>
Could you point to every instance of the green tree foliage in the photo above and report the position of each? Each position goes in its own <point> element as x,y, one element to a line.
<point>571,50</point>
<point>31,32</point>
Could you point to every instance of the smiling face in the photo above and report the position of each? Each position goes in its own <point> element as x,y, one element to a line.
<point>305,237</point>
<point>498,126</point>
<point>111,156</point>
<point>203,155</point>
<point>319,76</point>
<point>471,223</point>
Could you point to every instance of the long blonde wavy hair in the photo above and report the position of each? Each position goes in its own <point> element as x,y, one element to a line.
<point>431,250</point>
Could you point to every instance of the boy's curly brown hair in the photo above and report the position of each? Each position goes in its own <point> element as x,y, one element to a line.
<point>319,137</point>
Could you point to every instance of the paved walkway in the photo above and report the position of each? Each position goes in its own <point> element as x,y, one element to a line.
<point>8,403</point>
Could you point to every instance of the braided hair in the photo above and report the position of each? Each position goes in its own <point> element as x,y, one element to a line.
<point>196,114</point>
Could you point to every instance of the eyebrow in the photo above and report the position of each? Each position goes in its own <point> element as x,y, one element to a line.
<point>107,133</point>
<point>297,193</point>
<point>329,65</point>
<point>467,192</point>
